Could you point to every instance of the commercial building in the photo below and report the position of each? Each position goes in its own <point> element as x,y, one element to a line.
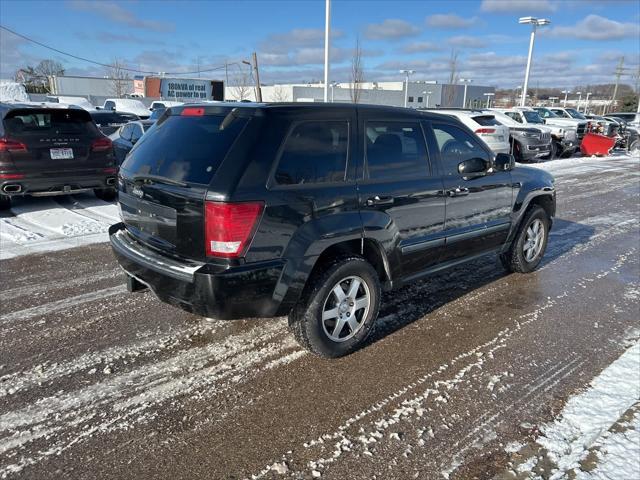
<point>68,85</point>
<point>419,94</point>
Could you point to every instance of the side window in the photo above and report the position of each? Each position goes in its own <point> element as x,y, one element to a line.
<point>109,106</point>
<point>514,115</point>
<point>395,150</point>
<point>410,99</point>
<point>125,133</point>
<point>456,146</point>
<point>314,152</point>
<point>136,133</point>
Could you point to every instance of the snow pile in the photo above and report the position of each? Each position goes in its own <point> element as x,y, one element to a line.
<point>586,419</point>
<point>13,92</point>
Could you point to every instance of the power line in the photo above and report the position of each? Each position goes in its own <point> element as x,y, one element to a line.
<point>221,67</point>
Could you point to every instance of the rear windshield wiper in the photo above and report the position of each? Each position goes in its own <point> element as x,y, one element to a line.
<point>159,179</point>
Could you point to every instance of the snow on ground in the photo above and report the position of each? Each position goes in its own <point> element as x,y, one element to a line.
<point>56,223</point>
<point>597,434</point>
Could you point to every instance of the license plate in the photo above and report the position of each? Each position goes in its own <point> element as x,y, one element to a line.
<point>61,153</point>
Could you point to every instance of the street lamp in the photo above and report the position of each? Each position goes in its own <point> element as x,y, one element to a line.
<point>332,85</point>
<point>466,82</point>
<point>489,95</point>
<point>327,45</point>
<point>406,84</point>
<point>428,94</point>
<point>535,23</point>
<point>553,100</point>
<point>579,100</point>
<point>566,93</point>
<point>586,103</point>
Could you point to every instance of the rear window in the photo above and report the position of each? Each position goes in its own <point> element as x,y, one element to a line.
<point>68,122</point>
<point>184,148</point>
<point>486,120</point>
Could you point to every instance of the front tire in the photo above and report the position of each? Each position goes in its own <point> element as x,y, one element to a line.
<point>530,243</point>
<point>338,308</point>
<point>5,202</point>
<point>106,194</point>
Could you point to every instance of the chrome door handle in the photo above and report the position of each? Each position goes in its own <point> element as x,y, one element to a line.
<point>378,200</point>
<point>458,192</point>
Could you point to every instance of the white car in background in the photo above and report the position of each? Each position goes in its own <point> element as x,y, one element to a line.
<point>164,104</point>
<point>73,101</point>
<point>127,105</point>
<point>485,126</point>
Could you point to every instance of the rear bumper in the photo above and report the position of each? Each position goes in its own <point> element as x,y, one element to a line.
<point>52,185</point>
<point>205,289</point>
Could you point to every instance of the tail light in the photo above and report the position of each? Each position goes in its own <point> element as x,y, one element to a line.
<point>484,131</point>
<point>11,176</point>
<point>111,170</point>
<point>7,145</point>
<point>101,144</point>
<point>229,227</point>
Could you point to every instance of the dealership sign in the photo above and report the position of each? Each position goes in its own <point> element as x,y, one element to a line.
<point>185,89</point>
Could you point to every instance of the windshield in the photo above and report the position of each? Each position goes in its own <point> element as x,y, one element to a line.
<point>546,113</point>
<point>576,114</point>
<point>532,117</point>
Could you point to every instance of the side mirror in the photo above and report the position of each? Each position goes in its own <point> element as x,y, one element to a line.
<point>474,167</point>
<point>504,162</point>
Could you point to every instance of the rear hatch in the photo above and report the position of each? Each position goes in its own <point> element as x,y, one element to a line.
<point>164,180</point>
<point>492,132</point>
<point>48,142</point>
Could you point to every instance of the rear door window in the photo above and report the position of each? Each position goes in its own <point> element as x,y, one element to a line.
<point>314,152</point>
<point>486,120</point>
<point>395,150</point>
<point>456,146</point>
<point>184,148</point>
<point>49,122</point>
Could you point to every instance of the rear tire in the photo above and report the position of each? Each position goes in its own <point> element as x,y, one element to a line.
<point>5,202</point>
<point>106,194</point>
<point>338,308</point>
<point>530,243</point>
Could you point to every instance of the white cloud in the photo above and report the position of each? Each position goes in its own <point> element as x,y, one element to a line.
<point>466,41</point>
<point>450,20</point>
<point>420,47</point>
<point>296,38</point>
<point>595,27</point>
<point>116,13</point>
<point>390,29</point>
<point>517,6</point>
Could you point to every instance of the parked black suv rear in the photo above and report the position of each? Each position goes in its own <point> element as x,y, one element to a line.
<point>52,151</point>
<point>251,210</point>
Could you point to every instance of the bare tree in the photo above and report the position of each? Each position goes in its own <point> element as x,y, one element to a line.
<point>357,73</point>
<point>241,89</point>
<point>453,77</point>
<point>36,79</point>
<point>119,77</point>
<point>279,94</point>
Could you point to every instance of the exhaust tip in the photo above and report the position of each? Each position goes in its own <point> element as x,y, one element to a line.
<point>111,181</point>
<point>12,188</point>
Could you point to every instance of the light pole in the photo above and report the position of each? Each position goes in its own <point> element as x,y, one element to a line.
<point>327,35</point>
<point>566,93</point>
<point>406,85</point>
<point>466,82</point>
<point>553,100</point>
<point>333,85</point>
<point>579,100</point>
<point>586,103</point>
<point>535,23</point>
<point>489,95</point>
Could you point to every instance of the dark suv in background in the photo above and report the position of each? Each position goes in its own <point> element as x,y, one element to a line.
<point>311,211</point>
<point>53,151</point>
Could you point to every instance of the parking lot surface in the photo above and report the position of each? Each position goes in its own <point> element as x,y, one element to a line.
<point>99,383</point>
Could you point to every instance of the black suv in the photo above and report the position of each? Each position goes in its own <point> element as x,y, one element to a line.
<point>263,210</point>
<point>53,151</point>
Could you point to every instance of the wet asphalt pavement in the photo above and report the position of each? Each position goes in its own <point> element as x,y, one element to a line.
<point>99,383</point>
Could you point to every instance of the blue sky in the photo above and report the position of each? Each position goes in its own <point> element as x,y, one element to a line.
<point>581,46</point>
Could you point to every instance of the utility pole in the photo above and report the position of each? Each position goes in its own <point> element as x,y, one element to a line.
<point>327,42</point>
<point>255,68</point>
<point>226,79</point>
<point>618,73</point>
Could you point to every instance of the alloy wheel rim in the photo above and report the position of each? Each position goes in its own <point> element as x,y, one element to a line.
<point>534,240</point>
<point>346,308</point>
